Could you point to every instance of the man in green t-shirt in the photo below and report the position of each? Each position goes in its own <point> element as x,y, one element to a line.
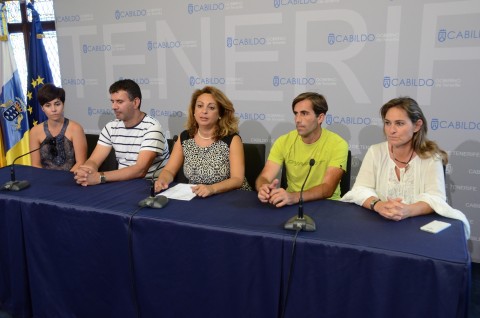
<point>296,149</point>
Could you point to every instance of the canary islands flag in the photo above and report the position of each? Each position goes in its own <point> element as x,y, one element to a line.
<point>13,117</point>
<point>39,72</point>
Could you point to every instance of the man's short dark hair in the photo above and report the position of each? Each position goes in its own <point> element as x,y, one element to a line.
<point>319,102</point>
<point>128,85</point>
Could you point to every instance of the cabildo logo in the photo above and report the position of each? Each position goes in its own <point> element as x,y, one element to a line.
<point>139,81</point>
<point>99,111</point>
<point>166,113</point>
<point>206,80</point>
<point>195,8</point>
<point>278,3</point>
<point>293,81</point>
<point>407,82</point>
<point>331,119</point>
<point>444,35</point>
<point>457,125</point>
<point>245,41</point>
<point>251,116</point>
<point>154,45</point>
<point>88,48</point>
<point>474,171</point>
<point>68,18</point>
<point>73,82</point>
<point>350,38</point>
<point>119,14</point>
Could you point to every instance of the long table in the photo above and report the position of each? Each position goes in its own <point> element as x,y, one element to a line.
<point>72,251</point>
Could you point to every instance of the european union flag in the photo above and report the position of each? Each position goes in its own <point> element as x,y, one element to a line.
<point>13,116</point>
<point>39,72</point>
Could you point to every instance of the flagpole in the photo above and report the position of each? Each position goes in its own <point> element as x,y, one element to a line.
<point>39,72</point>
<point>13,110</point>
<point>3,37</point>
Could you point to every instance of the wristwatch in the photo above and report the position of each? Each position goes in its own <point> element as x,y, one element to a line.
<point>103,179</point>
<point>372,204</point>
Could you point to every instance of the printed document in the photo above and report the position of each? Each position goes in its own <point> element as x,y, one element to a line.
<point>181,191</point>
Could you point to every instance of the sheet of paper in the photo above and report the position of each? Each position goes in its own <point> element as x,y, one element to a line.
<point>181,191</point>
<point>435,226</point>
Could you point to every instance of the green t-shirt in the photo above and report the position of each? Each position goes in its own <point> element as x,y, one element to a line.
<point>330,150</point>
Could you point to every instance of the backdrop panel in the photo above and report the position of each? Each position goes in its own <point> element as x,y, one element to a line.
<point>264,53</point>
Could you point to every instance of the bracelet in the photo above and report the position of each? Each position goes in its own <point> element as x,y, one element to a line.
<point>372,204</point>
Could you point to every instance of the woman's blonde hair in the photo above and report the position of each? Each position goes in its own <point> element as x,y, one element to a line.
<point>227,123</point>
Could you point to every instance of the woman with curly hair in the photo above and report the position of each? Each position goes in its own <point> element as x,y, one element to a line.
<point>210,149</point>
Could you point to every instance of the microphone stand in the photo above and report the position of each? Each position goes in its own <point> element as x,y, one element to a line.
<point>154,201</point>
<point>301,221</point>
<point>17,185</point>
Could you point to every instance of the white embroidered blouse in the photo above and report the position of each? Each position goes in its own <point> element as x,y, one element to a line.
<point>422,180</point>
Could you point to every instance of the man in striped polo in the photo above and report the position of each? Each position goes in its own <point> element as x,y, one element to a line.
<point>141,148</point>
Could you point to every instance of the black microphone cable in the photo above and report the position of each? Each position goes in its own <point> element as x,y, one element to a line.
<point>290,274</point>
<point>297,223</point>
<point>130,242</point>
<point>130,252</point>
<point>132,264</point>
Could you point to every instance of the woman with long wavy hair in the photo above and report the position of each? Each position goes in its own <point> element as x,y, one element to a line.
<point>210,149</point>
<point>404,176</point>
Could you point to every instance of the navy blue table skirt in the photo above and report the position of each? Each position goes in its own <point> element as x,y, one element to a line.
<point>72,251</point>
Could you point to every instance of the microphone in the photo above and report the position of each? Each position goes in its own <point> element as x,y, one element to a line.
<point>153,201</point>
<point>301,221</point>
<point>17,185</point>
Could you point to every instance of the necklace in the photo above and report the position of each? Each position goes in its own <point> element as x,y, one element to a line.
<point>405,163</point>
<point>204,138</point>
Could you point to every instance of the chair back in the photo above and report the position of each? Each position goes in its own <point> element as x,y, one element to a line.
<point>110,163</point>
<point>345,181</point>
<point>180,177</point>
<point>254,161</point>
<point>171,143</point>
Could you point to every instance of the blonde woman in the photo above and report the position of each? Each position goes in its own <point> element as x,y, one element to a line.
<point>210,149</point>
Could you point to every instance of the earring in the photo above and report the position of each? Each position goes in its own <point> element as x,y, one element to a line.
<point>219,117</point>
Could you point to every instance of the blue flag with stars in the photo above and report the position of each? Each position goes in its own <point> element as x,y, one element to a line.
<point>39,72</point>
<point>13,115</point>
